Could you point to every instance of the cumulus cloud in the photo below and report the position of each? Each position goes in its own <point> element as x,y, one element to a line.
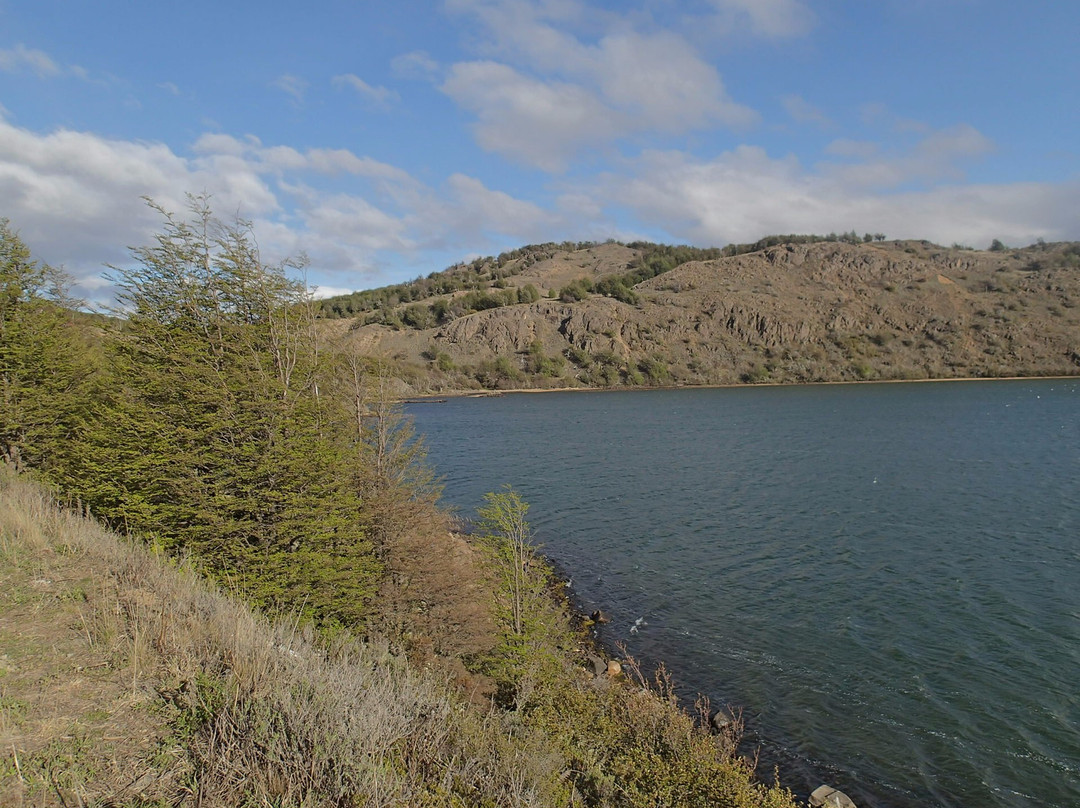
<point>323,292</point>
<point>551,93</point>
<point>540,123</point>
<point>473,207</point>
<point>76,197</point>
<point>660,79</point>
<point>744,194</point>
<point>379,95</point>
<point>937,155</point>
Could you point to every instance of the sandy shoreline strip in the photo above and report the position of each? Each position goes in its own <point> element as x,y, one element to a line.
<point>422,398</point>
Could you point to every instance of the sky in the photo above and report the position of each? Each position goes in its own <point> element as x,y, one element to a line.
<point>387,140</point>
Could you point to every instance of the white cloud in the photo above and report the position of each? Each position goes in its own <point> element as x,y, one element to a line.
<point>349,220</point>
<point>19,58</point>
<point>936,156</point>
<point>76,198</point>
<point>414,65</point>
<point>660,79</point>
<point>957,141</point>
<point>472,207</point>
<point>380,95</point>
<point>293,85</point>
<point>540,123</point>
<point>769,18</point>
<point>552,93</point>
<point>744,194</point>
<point>323,292</point>
<point>13,60</point>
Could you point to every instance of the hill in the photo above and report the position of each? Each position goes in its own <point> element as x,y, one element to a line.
<point>789,309</point>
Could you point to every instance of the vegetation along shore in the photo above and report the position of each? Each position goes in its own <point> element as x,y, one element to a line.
<point>227,580</point>
<point>366,652</point>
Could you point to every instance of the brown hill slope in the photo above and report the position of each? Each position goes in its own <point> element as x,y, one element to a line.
<point>826,311</point>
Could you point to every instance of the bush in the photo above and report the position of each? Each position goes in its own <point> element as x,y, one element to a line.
<point>655,370</point>
<point>576,290</point>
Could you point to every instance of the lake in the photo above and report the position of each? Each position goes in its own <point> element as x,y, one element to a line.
<point>885,578</point>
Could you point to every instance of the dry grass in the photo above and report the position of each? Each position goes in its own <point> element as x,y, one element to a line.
<point>200,702</point>
<point>127,680</point>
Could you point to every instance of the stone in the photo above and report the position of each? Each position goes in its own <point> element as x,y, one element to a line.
<point>828,797</point>
<point>598,665</point>
<point>719,721</point>
<point>614,668</point>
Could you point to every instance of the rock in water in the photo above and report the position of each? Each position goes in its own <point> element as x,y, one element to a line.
<point>829,797</point>
<point>719,721</point>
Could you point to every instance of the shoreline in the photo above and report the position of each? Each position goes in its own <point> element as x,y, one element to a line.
<point>801,774</point>
<point>432,398</point>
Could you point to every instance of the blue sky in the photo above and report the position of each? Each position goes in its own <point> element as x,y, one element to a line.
<point>388,140</point>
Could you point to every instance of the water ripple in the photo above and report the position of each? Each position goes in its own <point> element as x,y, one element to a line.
<point>884,576</point>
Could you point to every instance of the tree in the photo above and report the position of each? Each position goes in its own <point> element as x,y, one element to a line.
<point>42,360</point>
<point>217,438</point>
<point>506,535</point>
<point>532,650</point>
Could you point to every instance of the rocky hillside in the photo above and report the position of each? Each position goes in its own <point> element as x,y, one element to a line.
<point>792,312</point>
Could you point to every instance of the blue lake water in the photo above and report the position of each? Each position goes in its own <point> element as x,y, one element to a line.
<point>885,578</point>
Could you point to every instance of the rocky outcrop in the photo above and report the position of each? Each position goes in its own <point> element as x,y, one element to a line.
<point>791,313</point>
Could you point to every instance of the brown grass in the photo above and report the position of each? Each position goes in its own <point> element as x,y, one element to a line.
<point>129,680</point>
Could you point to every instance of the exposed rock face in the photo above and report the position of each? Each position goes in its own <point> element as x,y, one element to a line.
<point>503,331</point>
<point>792,313</point>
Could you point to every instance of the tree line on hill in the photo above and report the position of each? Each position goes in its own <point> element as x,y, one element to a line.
<point>401,305</point>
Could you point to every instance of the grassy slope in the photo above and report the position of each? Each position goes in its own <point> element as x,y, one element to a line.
<point>126,680</point>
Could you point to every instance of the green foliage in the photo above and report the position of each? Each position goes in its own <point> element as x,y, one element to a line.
<point>851,237</point>
<point>622,746</point>
<point>498,373</point>
<point>538,362</point>
<point>655,370</point>
<point>419,317</point>
<point>579,356</point>
<point>43,367</point>
<point>224,434</point>
<point>578,289</point>
<point>532,648</point>
<point>614,286</point>
<point>528,294</point>
<point>477,275</point>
